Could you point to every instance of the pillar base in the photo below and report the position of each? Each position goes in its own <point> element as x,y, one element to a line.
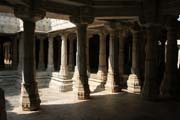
<point>61,83</point>
<point>30,100</point>
<point>3,115</point>
<point>133,85</point>
<point>111,85</point>
<point>101,76</point>
<point>50,68</point>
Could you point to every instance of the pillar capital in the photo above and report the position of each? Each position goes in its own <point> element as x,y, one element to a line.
<point>135,27</point>
<point>29,14</point>
<point>81,19</point>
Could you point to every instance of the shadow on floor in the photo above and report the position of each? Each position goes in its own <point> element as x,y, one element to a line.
<point>122,106</point>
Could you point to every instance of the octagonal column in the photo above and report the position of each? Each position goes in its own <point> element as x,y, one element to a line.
<point>102,69</point>
<point>29,91</point>
<point>150,88</point>
<point>112,83</point>
<point>133,82</point>
<point>41,65</point>
<point>65,83</point>
<point>170,86</point>
<point>50,66</point>
<point>82,86</point>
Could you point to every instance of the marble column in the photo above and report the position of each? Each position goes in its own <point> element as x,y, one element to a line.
<point>41,65</point>
<point>121,57</point>
<point>71,55</point>
<point>102,68</point>
<point>3,115</point>
<point>15,53</point>
<point>150,90</point>
<point>112,83</point>
<point>29,92</point>
<point>82,86</point>
<point>170,86</point>
<point>133,82</point>
<point>50,66</point>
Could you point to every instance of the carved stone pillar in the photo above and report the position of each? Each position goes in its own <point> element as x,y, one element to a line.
<point>3,115</point>
<point>102,69</point>
<point>29,92</point>
<point>112,83</point>
<point>82,90</point>
<point>121,57</point>
<point>170,86</point>
<point>50,66</point>
<point>65,84</point>
<point>87,53</point>
<point>133,82</point>
<point>41,65</point>
<point>150,88</point>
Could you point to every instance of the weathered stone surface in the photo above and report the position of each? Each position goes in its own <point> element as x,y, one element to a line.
<point>150,89</point>
<point>170,85</point>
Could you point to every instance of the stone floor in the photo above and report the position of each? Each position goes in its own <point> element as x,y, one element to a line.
<point>102,106</point>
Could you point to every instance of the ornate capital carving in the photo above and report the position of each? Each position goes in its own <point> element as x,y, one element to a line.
<point>28,14</point>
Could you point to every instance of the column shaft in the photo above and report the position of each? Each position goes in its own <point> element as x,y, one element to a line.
<point>133,82</point>
<point>112,83</point>
<point>29,92</point>
<point>102,69</point>
<point>170,86</point>
<point>50,66</point>
<point>41,65</point>
<point>64,68</point>
<point>82,83</point>
<point>150,87</point>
